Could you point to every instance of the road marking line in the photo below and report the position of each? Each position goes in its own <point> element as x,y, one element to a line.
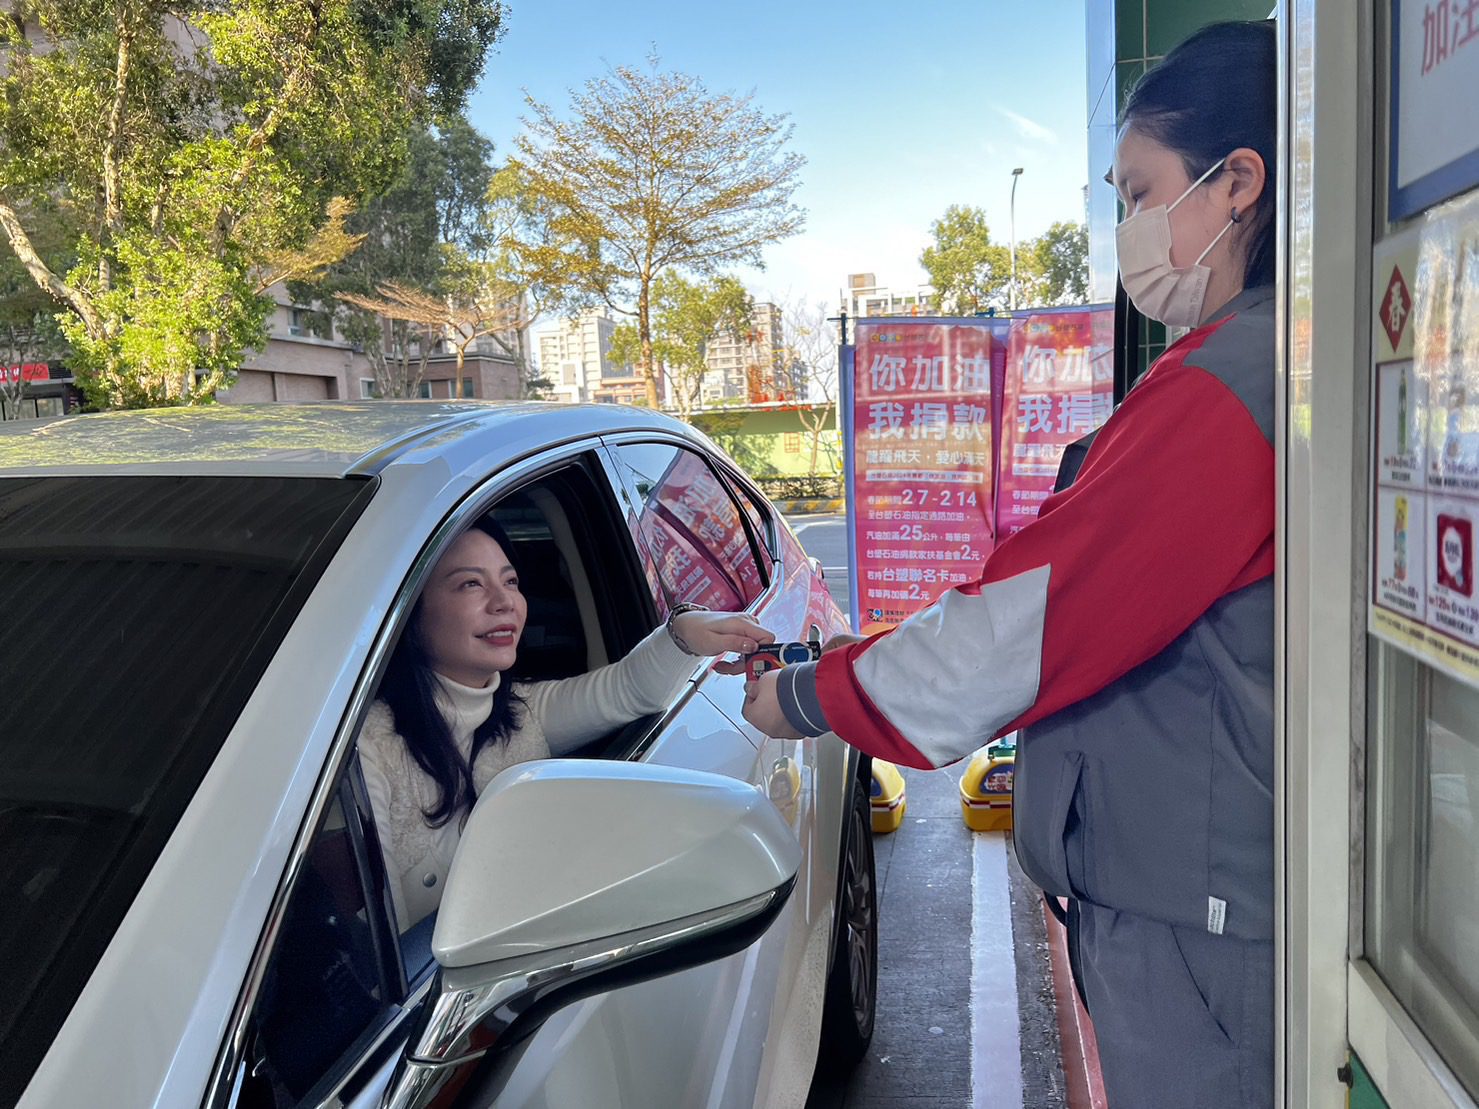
<point>996,1030</point>
<point>799,526</point>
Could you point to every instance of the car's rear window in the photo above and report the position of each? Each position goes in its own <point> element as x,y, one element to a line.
<point>136,616</point>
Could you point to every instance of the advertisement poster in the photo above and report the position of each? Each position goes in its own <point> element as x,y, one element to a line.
<point>24,371</point>
<point>1059,386</point>
<point>922,453</point>
<point>1435,65</point>
<point>1425,441</point>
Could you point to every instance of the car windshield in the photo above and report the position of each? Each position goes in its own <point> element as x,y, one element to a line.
<point>136,616</point>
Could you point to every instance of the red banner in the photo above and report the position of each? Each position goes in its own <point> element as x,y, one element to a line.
<point>922,460</point>
<point>25,371</point>
<point>1059,386</point>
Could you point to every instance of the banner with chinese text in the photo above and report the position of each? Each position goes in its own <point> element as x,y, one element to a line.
<point>24,371</point>
<point>1059,386</point>
<point>920,460</point>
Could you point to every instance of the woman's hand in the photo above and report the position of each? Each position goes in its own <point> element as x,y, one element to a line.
<point>718,633</point>
<point>763,708</point>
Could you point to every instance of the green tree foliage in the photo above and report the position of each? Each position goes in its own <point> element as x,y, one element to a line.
<point>650,172</point>
<point>686,317</point>
<point>969,272</point>
<point>432,202</point>
<point>194,149</point>
<point>1058,265</point>
<point>444,262</point>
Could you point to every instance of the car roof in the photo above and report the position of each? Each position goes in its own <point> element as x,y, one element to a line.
<point>331,439</point>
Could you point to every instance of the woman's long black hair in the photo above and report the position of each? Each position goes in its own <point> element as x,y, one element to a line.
<point>409,688</point>
<point>1214,92</point>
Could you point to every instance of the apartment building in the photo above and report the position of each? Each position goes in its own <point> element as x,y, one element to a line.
<point>575,357</point>
<point>864,296</point>
<point>751,367</point>
<point>302,361</point>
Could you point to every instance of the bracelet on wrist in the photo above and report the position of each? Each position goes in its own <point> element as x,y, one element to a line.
<point>679,610</point>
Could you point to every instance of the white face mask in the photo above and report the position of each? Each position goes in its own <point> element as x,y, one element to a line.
<point>1156,287</point>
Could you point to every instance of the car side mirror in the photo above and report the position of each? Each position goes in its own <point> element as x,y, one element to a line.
<point>574,877</point>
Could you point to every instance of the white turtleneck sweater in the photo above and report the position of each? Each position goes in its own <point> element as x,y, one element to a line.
<point>557,717</point>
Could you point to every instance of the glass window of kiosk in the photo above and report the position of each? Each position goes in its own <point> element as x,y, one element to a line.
<point>1422,858</point>
<point>31,408</point>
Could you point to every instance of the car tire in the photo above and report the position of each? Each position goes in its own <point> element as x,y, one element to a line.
<point>852,985</point>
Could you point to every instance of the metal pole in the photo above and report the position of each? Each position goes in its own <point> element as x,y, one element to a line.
<point>1012,291</point>
<point>841,321</point>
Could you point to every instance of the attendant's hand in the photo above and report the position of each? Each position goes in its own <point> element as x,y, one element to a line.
<point>718,633</point>
<point>763,708</point>
<point>843,640</point>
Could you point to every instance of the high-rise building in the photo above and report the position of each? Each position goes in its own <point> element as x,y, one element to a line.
<point>751,366</point>
<point>863,296</point>
<point>575,357</point>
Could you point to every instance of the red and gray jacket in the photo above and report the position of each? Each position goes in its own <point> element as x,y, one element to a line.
<point>1128,632</point>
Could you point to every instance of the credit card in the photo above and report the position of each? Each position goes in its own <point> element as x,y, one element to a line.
<point>773,656</point>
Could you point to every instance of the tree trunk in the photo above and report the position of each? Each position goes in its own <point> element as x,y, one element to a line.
<point>644,333</point>
<point>521,366</point>
<point>816,435</point>
<point>112,169</point>
<point>40,273</point>
<point>424,349</point>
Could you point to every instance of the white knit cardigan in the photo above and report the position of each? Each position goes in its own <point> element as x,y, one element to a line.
<point>557,717</point>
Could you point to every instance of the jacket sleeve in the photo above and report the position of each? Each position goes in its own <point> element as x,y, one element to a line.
<point>377,785</point>
<point>1173,509</point>
<point>574,711</point>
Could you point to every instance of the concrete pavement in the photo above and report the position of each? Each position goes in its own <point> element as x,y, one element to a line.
<point>966,1013</point>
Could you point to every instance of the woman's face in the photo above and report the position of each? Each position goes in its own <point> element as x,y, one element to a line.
<point>472,612</point>
<point>1147,174</point>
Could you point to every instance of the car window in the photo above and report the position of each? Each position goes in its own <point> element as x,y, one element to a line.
<point>333,973</point>
<point>586,605</point>
<point>692,528</point>
<point>554,641</point>
<point>140,613</point>
<point>764,532</point>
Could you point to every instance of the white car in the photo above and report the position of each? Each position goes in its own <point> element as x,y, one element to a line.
<point>197,607</point>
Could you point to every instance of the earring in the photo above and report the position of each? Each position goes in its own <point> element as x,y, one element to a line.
<point>1234,216</point>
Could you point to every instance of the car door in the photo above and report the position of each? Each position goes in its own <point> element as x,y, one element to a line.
<point>702,543</point>
<point>333,995</point>
<point>697,1037</point>
<point>693,1038</point>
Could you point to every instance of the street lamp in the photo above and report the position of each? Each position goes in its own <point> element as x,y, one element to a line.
<point>1012,292</point>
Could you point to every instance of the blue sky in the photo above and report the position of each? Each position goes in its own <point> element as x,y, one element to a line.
<point>900,109</point>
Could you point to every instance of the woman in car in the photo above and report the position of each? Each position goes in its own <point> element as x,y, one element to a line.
<point>446,722</point>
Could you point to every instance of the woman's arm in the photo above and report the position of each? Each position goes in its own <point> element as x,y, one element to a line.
<point>1173,509</point>
<point>574,711</point>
